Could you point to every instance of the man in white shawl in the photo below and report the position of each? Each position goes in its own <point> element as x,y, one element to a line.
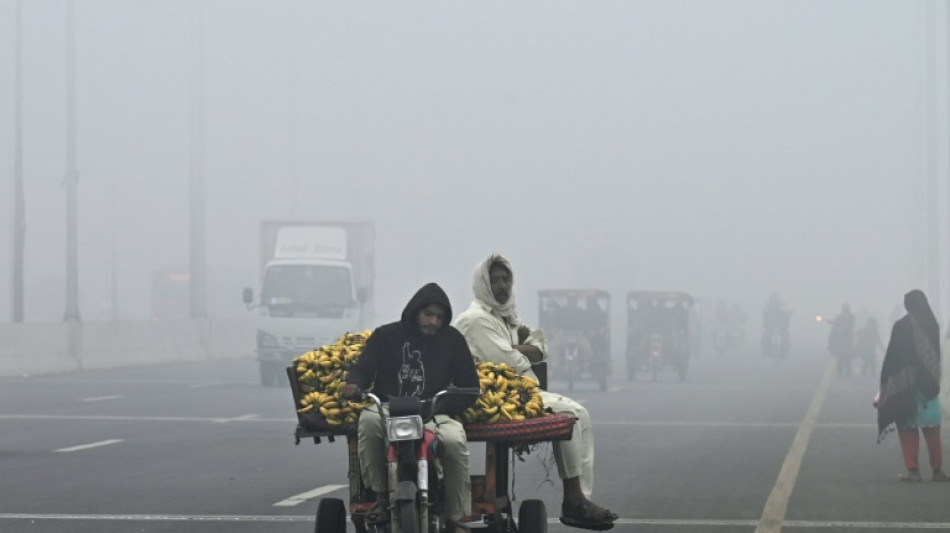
<point>495,333</point>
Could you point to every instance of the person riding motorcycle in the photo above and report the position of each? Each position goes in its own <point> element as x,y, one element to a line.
<point>419,355</point>
<point>775,321</point>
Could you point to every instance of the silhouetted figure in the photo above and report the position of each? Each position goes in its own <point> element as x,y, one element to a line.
<point>775,325</point>
<point>841,340</point>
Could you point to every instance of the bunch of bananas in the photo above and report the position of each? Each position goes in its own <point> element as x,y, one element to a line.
<point>321,374</point>
<point>504,396</point>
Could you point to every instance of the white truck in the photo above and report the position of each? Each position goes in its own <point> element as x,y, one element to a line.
<point>316,285</point>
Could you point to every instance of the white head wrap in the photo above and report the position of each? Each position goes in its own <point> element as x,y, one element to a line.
<point>481,285</point>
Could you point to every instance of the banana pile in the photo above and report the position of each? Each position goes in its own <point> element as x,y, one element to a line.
<point>321,374</point>
<point>505,396</point>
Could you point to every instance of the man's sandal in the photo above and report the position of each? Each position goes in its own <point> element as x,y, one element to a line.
<point>588,515</point>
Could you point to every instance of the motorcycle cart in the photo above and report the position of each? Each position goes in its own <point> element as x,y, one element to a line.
<point>576,323</point>
<point>658,330</point>
<point>491,505</point>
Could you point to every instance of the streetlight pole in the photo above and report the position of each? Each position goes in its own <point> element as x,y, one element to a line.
<point>72,276</point>
<point>933,204</point>
<point>196,280</point>
<point>19,212</point>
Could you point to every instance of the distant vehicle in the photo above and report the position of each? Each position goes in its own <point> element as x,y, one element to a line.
<point>577,324</point>
<point>170,295</point>
<point>316,285</point>
<point>658,332</point>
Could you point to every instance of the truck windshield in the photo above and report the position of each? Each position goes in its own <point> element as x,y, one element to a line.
<point>321,290</point>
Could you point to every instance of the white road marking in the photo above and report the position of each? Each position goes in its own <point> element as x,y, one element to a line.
<point>309,495</point>
<point>803,524</point>
<point>235,418</point>
<point>204,385</point>
<point>91,445</point>
<point>101,398</point>
<point>774,512</point>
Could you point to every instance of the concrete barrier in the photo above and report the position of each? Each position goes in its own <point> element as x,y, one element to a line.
<point>55,347</point>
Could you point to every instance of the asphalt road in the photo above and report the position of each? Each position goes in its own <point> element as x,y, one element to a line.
<point>744,444</point>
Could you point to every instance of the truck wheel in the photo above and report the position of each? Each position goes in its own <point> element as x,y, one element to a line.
<point>532,517</point>
<point>331,516</point>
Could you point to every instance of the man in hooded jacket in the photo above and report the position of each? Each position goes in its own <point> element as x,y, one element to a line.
<point>419,355</point>
<point>909,397</point>
<point>495,333</point>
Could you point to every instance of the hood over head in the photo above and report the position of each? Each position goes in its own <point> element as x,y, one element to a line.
<point>430,293</point>
<point>481,286</point>
<point>918,307</point>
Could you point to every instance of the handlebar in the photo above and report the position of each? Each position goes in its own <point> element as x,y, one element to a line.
<point>452,390</point>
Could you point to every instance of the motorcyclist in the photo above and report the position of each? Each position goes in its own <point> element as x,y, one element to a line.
<point>419,355</point>
<point>775,320</point>
<point>841,339</point>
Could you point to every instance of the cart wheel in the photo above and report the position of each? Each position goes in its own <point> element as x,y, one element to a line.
<point>331,516</point>
<point>532,517</point>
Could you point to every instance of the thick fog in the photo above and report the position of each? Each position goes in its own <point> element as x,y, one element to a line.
<point>729,149</point>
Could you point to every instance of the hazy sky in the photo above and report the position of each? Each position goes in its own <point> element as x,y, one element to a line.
<point>725,148</point>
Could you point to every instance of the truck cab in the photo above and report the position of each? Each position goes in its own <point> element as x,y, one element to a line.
<point>309,295</point>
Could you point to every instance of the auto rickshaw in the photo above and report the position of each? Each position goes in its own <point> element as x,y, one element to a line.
<point>658,330</point>
<point>576,323</point>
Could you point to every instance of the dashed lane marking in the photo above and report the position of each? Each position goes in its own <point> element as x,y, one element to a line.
<point>774,512</point>
<point>90,445</point>
<point>206,385</point>
<point>309,495</point>
<point>101,398</point>
<point>235,419</point>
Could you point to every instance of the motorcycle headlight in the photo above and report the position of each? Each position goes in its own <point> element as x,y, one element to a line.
<point>404,428</point>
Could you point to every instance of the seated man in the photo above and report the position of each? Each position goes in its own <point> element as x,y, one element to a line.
<point>495,333</point>
<point>417,356</point>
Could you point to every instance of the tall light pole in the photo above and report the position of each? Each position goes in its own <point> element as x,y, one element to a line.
<point>19,210</point>
<point>72,175</point>
<point>933,204</point>
<point>197,275</point>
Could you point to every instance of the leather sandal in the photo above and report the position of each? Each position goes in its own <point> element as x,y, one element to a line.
<point>588,515</point>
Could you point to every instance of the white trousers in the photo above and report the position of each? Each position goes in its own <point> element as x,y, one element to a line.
<point>574,457</point>
<point>452,462</point>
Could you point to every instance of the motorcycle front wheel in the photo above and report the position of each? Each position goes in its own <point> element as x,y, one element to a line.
<point>408,516</point>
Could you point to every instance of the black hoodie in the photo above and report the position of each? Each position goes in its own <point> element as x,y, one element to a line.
<point>403,361</point>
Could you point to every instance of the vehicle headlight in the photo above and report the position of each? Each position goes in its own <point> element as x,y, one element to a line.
<point>404,428</point>
<point>266,340</point>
